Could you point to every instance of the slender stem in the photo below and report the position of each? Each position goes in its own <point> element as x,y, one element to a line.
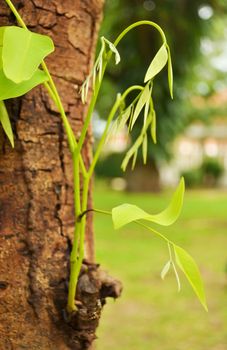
<point>77,254</point>
<point>137,24</point>
<point>90,110</point>
<point>76,176</point>
<point>154,231</point>
<point>73,269</point>
<point>102,211</point>
<point>68,129</point>
<point>16,14</point>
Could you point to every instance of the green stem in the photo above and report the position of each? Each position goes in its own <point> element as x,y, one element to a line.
<point>73,269</point>
<point>90,111</point>
<point>137,24</point>
<point>102,212</point>
<point>154,231</point>
<point>16,14</point>
<point>77,254</point>
<point>68,129</point>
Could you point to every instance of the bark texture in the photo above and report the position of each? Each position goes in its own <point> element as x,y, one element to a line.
<point>36,202</point>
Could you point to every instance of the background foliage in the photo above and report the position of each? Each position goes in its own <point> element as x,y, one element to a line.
<point>184,25</point>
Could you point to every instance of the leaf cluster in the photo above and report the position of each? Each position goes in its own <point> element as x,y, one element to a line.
<point>128,213</point>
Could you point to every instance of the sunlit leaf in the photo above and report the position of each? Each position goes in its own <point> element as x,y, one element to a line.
<point>126,213</point>
<point>9,89</point>
<point>165,269</point>
<point>2,29</point>
<point>134,159</point>
<point>144,149</point>
<point>5,121</point>
<point>177,277</point>
<point>0,57</point>
<point>153,127</point>
<point>170,72</point>
<point>125,117</point>
<point>146,111</point>
<point>157,64</point>
<point>187,264</point>
<point>144,97</point>
<point>131,152</point>
<point>23,52</point>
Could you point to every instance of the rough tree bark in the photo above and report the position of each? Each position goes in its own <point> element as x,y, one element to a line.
<point>36,202</point>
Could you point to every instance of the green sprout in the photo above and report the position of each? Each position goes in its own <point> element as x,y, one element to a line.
<point>20,73</point>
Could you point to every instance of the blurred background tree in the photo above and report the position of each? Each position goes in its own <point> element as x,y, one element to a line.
<point>187,24</point>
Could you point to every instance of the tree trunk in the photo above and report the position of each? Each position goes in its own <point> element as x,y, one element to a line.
<point>143,178</point>
<point>36,201</point>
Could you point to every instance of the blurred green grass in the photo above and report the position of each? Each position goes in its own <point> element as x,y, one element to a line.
<point>151,314</point>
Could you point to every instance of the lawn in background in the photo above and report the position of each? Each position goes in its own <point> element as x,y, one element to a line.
<point>151,314</point>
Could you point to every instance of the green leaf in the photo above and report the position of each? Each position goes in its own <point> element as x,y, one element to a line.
<point>170,72</point>
<point>113,49</point>
<point>2,29</point>
<point>0,57</point>
<point>126,213</point>
<point>134,159</point>
<point>157,64</point>
<point>188,266</point>
<point>165,269</point>
<point>8,89</point>
<point>144,149</point>
<point>124,117</point>
<point>153,127</point>
<point>144,97</point>
<point>177,277</point>
<point>5,121</point>
<point>23,52</point>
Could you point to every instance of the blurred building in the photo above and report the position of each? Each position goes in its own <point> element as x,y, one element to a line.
<point>198,142</point>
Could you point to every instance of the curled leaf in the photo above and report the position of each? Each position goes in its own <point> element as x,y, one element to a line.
<point>114,50</point>
<point>126,213</point>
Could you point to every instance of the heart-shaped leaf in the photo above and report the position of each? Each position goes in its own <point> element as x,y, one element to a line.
<point>157,64</point>
<point>187,264</point>
<point>9,89</point>
<point>5,121</point>
<point>126,213</point>
<point>22,53</point>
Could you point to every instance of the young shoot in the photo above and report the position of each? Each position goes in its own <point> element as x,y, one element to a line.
<point>20,73</point>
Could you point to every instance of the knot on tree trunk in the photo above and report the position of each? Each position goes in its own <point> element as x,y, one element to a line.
<point>94,286</point>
